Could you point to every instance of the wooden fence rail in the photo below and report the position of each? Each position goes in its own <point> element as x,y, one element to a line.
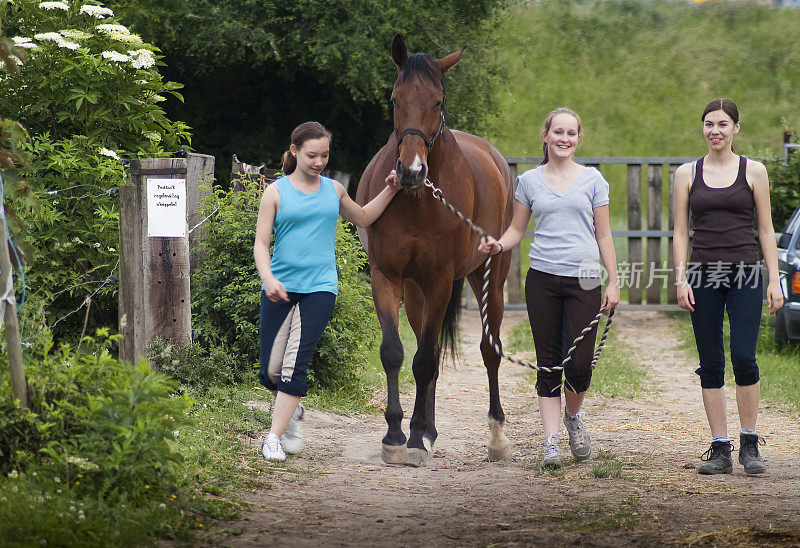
<point>649,280</point>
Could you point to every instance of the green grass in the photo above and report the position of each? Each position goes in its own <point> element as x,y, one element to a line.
<point>617,374</point>
<point>779,365</point>
<point>639,76</point>
<point>598,517</point>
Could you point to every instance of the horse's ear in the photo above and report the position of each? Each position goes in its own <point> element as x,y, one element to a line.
<point>399,51</point>
<point>446,63</point>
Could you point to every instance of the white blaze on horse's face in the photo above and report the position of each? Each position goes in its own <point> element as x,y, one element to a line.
<point>416,166</point>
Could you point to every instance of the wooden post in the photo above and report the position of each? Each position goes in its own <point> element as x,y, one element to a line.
<point>634,244</point>
<point>154,271</point>
<point>200,172</point>
<point>654,263</point>
<point>19,384</point>
<point>672,289</point>
<point>514,280</point>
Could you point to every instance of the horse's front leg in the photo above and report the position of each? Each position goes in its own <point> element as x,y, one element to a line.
<point>386,294</point>
<point>425,367</point>
<point>499,447</point>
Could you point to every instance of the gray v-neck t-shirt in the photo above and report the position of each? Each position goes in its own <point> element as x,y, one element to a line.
<point>564,241</point>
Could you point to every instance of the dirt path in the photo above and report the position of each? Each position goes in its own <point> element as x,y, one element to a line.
<point>344,495</point>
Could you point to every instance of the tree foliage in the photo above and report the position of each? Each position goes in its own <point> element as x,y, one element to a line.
<point>254,69</point>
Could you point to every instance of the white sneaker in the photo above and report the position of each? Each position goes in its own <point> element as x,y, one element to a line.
<point>271,448</point>
<point>552,453</point>
<point>579,442</point>
<point>292,439</point>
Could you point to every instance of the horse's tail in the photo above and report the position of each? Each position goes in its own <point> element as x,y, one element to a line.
<point>448,337</point>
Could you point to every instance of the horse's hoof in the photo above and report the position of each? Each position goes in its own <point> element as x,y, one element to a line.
<point>417,457</point>
<point>502,453</point>
<point>393,454</point>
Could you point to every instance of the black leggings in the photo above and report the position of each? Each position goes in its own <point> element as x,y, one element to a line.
<point>558,309</point>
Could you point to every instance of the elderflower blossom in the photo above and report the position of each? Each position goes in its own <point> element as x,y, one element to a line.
<point>158,98</point>
<point>152,135</point>
<point>82,463</point>
<point>75,34</point>
<point>125,37</point>
<point>96,11</point>
<point>58,39</point>
<point>142,58</point>
<point>115,56</point>
<point>108,29</point>
<point>54,6</point>
<point>110,153</point>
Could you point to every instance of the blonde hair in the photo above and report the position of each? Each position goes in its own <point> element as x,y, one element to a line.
<point>548,121</point>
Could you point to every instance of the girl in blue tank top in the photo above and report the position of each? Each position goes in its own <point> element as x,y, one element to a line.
<point>300,280</point>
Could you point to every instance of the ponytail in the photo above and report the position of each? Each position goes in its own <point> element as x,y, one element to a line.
<point>289,163</point>
<point>545,157</point>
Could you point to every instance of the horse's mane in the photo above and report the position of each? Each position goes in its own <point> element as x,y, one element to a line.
<point>421,64</point>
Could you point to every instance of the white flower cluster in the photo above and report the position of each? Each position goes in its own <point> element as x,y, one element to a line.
<point>75,34</point>
<point>152,135</point>
<point>108,29</point>
<point>110,153</point>
<point>96,11</point>
<point>125,37</point>
<point>58,39</point>
<point>115,56</point>
<point>54,6</point>
<point>142,58</point>
<point>25,43</point>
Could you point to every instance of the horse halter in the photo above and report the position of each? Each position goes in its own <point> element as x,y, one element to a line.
<point>414,131</point>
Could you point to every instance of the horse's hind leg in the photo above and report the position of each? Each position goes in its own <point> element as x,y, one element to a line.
<point>499,447</point>
<point>387,305</point>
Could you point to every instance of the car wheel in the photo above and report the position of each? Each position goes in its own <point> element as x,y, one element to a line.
<point>780,328</point>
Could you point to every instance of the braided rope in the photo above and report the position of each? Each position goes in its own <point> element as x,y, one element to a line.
<point>484,303</point>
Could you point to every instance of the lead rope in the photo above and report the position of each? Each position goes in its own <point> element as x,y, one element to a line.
<point>484,303</point>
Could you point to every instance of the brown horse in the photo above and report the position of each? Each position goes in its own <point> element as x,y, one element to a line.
<point>419,252</point>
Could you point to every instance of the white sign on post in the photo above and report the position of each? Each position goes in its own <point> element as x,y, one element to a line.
<point>166,208</point>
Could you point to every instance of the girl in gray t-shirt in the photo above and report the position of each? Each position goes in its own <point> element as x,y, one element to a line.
<point>569,203</point>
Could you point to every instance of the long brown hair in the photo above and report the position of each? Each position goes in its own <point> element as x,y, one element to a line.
<point>302,133</point>
<point>548,121</point>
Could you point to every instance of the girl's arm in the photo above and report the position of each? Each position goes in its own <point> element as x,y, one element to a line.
<point>267,209</point>
<point>513,234</point>
<point>365,216</point>
<point>757,174</point>
<point>680,235</point>
<point>605,242</point>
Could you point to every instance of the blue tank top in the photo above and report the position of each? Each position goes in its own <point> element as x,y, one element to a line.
<point>304,258</point>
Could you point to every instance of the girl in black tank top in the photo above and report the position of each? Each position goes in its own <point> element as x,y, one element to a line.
<point>725,275</point>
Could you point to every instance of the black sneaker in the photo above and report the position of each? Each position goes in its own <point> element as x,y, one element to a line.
<point>748,453</point>
<point>717,460</point>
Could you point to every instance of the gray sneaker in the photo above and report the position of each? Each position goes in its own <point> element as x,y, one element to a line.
<point>748,453</point>
<point>579,442</point>
<point>552,454</point>
<point>271,448</point>
<point>717,460</point>
<point>292,438</point>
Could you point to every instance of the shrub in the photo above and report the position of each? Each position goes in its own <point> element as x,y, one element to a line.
<point>226,292</point>
<point>101,426</point>
<point>784,179</point>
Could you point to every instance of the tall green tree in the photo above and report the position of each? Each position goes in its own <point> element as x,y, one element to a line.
<point>254,69</point>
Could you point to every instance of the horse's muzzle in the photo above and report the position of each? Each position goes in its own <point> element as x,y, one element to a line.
<point>411,179</point>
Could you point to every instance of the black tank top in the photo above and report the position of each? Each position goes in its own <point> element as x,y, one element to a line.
<point>723,219</point>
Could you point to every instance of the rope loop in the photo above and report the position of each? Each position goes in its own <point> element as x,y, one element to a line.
<point>484,303</point>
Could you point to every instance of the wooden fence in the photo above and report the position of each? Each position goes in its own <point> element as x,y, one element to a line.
<point>646,274</point>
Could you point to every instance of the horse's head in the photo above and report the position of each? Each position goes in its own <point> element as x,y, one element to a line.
<point>419,101</point>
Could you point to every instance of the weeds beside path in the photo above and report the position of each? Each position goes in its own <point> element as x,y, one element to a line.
<point>639,488</point>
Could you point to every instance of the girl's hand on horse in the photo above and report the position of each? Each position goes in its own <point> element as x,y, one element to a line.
<point>611,297</point>
<point>392,180</point>
<point>685,296</point>
<point>490,245</point>
<point>275,290</point>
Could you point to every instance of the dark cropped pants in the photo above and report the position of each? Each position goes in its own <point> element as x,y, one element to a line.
<point>558,309</point>
<point>737,288</point>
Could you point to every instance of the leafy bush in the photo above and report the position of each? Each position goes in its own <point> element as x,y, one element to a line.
<point>194,366</point>
<point>101,426</point>
<point>88,93</point>
<point>226,292</point>
<point>785,192</point>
